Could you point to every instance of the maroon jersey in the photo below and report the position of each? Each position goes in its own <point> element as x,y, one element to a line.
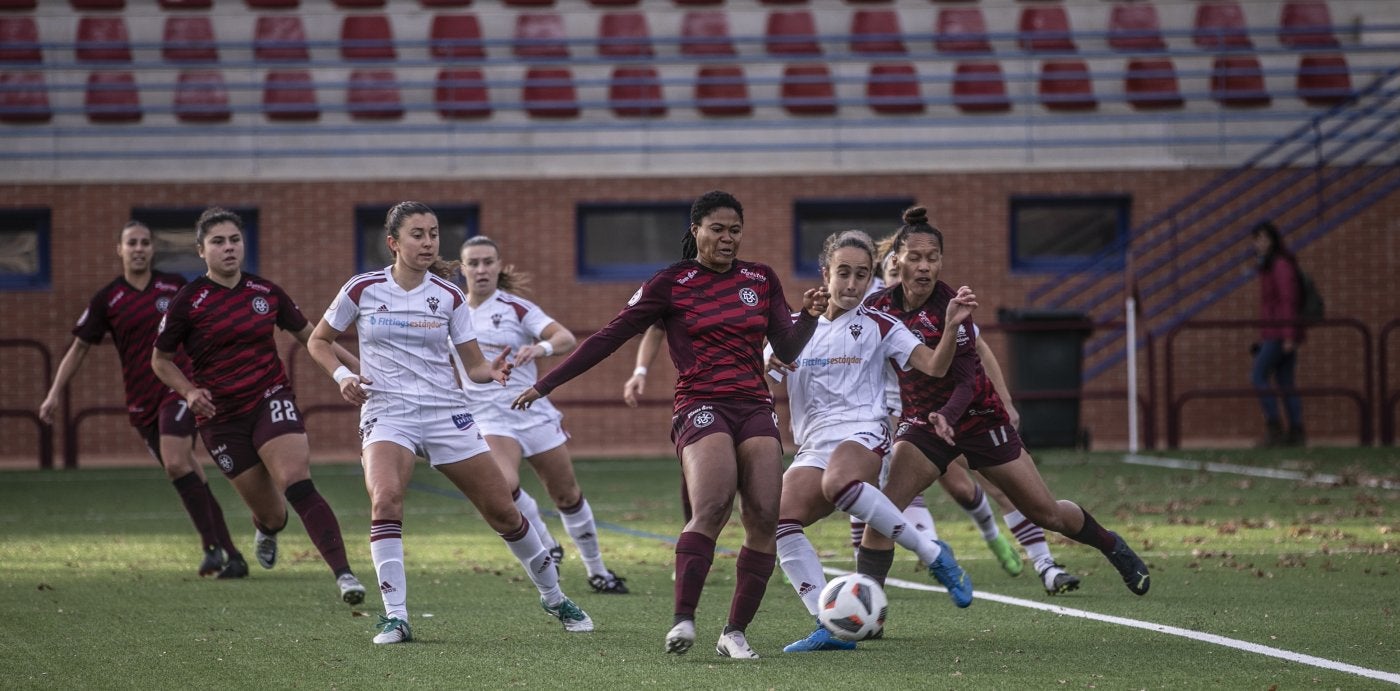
<point>715,325</point>
<point>965,397</point>
<point>228,334</point>
<point>132,315</point>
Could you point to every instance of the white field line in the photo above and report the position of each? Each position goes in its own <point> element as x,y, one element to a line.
<point>1254,471</point>
<point>1159,628</point>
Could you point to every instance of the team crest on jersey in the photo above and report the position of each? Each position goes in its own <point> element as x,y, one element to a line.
<point>855,331</point>
<point>223,459</point>
<point>260,305</point>
<point>162,304</point>
<point>748,296</point>
<point>703,418</point>
<point>902,429</point>
<point>496,320</point>
<point>462,420</point>
<point>433,304</point>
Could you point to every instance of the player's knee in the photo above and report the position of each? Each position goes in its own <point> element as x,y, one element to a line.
<point>712,514</point>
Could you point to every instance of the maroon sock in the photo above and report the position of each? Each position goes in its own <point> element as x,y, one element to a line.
<point>751,575</point>
<point>976,498</point>
<point>195,495</point>
<point>320,524</point>
<point>1095,535</point>
<point>694,555</point>
<point>875,563</point>
<point>216,520</point>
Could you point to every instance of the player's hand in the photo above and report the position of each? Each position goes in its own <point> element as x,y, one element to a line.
<point>352,389</point>
<point>528,354</point>
<point>525,398</point>
<point>201,402</point>
<point>46,409</point>
<point>1013,414</point>
<point>961,307</point>
<point>942,428</point>
<point>777,365</point>
<point>635,387</point>
<point>500,367</point>
<point>814,301</point>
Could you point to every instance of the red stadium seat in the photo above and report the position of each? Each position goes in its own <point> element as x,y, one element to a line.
<point>1151,84</point>
<point>98,4</point>
<point>893,88</point>
<point>792,33</point>
<point>19,40</point>
<point>624,35</point>
<point>540,35</point>
<point>373,95</point>
<point>189,39</point>
<point>961,30</point>
<point>721,90</point>
<point>358,4</point>
<point>1238,81</point>
<point>462,93</point>
<point>290,95</point>
<point>1324,80</point>
<point>1221,24</point>
<point>280,37</point>
<point>186,4</point>
<point>17,4</point>
<point>201,96</point>
<point>456,37</point>
<point>1306,24</point>
<point>613,3</point>
<point>783,2</point>
<point>1065,85</point>
<point>1134,26</point>
<point>705,32</point>
<point>112,97</point>
<point>698,2</point>
<point>24,98</point>
<point>549,93</point>
<point>1045,29</point>
<point>103,39</point>
<point>529,3</point>
<point>367,37</point>
<point>636,92</point>
<point>445,3</point>
<point>271,4</point>
<point>876,32</point>
<point>808,90</point>
<point>978,87</point>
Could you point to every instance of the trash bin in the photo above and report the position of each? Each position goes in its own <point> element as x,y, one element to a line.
<point>1046,374</point>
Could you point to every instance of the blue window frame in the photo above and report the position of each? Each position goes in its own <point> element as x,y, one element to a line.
<point>456,223</point>
<point>814,220</point>
<point>173,236</point>
<point>1057,233</point>
<point>626,241</point>
<point>24,249</point>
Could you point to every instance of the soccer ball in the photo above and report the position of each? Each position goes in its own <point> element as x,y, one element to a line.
<point>853,607</point>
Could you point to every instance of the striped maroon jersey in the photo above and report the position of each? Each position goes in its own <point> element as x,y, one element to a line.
<point>228,334</point>
<point>132,315</point>
<point>965,396</point>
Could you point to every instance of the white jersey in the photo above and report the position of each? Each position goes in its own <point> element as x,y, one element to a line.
<point>504,321</point>
<point>406,338</point>
<point>840,375</point>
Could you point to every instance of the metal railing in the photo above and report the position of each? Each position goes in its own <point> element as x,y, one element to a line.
<point>43,431</point>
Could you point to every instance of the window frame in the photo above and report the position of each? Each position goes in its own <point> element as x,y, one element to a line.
<point>468,212</point>
<point>1112,256</point>
<point>152,215</point>
<point>621,272</point>
<point>805,264</point>
<point>41,279</point>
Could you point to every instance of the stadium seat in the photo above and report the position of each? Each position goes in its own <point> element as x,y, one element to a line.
<point>24,98</point>
<point>893,88</point>
<point>808,90</point>
<point>978,87</point>
<point>103,39</point>
<point>721,90</point>
<point>636,92</point>
<point>201,96</point>
<point>290,95</point>
<point>98,4</point>
<point>189,39</point>
<point>1324,80</point>
<point>549,93</point>
<point>961,30</point>
<point>272,4</point>
<point>698,2</point>
<point>624,35</point>
<point>358,4</point>
<point>1306,24</point>
<point>1151,84</point>
<point>373,94</point>
<point>461,93</point>
<point>186,4</point>
<point>540,35</point>
<point>705,32</point>
<point>112,97</point>
<point>456,37</point>
<point>528,3</point>
<point>792,33</point>
<point>17,4</point>
<point>613,3</point>
<point>19,40</point>
<point>876,32</point>
<point>783,2</point>
<point>280,37</point>
<point>1134,26</point>
<point>1238,81</point>
<point>1066,85</point>
<point>367,37</point>
<point>445,3</point>
<point>1045,29</point>
<point>1221,25</point>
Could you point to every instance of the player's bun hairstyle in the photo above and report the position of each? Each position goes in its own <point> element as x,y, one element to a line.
<point>915,221</point>
<point>510,279</point>
<point>846,238</point>
<point>704,206</point>
<point>211,217</point>
<point>395,220</point>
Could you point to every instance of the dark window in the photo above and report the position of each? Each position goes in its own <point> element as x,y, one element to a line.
<point>24,248</point>
<point>173,237</point>
<point>1057,233</point>
<point>813,221</point>
<point>455,225</point>
<point>629,241</point>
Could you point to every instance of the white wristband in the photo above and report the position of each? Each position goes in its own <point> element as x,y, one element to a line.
<point>641,371</point>
<point>547,347</point>
<point>342,373</point>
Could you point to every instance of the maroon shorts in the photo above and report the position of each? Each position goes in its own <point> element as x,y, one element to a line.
<point>175,420</point>
<point>234,444</point>
<point>984,448</point>
<point>741,420</point>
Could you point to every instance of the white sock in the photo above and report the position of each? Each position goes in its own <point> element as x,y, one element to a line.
<point>862,500</point>
<point>1032,538</point>
<point>918,517</point>
<point>386,549</point>
<point>538,566</point>
<point>584,532</point>
<point>801,564</point>
<point>982,515</point>
<point>530,509</point>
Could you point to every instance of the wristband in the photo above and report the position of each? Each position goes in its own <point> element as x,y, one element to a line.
<point>342,373</point>
<point>547,347</point>
<point>641,371</point>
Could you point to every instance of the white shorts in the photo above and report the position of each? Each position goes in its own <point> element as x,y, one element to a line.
<point>440,436</point>
<point>536,429</point>
<point>819,446</point>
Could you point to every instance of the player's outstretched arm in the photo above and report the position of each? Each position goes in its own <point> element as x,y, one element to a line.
<point>72,360</point>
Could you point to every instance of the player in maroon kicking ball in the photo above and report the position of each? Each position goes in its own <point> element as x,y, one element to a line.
<point>716,310</point>
<point>130,307</point>
<point>240,393</point>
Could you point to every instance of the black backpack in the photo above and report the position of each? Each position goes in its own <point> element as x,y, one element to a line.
<point>1311,306</point>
